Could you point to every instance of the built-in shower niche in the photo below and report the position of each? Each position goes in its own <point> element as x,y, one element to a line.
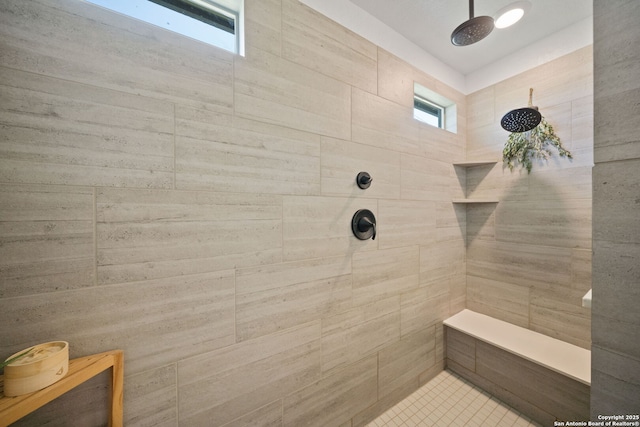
<point>469,164</point>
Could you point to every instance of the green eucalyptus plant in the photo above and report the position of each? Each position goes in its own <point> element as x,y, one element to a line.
<point>13,359</point>
<point>524,147</point>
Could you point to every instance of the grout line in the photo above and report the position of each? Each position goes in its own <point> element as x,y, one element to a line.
<point>459,402</point>
<point>95,236</point>
<point>175,162</point>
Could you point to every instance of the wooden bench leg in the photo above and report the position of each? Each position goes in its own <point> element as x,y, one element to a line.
<point>117,390</point>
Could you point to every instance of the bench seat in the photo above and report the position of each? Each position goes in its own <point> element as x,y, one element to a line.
<point>545,378</point>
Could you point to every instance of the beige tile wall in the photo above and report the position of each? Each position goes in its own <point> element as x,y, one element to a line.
<point>615,370</point>
<point>193,208</point>
<point>529,256</point>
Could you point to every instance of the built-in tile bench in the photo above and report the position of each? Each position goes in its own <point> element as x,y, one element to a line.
<point>542,377</point>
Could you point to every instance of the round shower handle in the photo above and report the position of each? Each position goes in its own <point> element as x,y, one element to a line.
<point>363,225</point>
<point>364,180</point>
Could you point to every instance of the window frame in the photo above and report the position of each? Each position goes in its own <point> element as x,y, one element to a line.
<point>426,106</point>
<point>211,13</point>
<point>224,16</point>
<point>448,107</point>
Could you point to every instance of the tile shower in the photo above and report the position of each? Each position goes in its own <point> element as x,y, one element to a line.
<point>193,208</point>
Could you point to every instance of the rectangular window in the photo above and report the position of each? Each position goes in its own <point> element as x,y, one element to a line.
<point>434,109</point>
<point>428,112</point>
<point>217,23</point>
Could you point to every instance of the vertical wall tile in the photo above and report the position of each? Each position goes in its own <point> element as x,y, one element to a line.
<point>73,134</point>
<point>521,264</point>
<point>426,179</point>
<point>581,269</point>
<point>349,336</point>
<point>616,246</point>
<point>615,74</point>
<point>451,220</point>
<point>440,261</point>
<point>505,301</point>
<point>46,239</point>
<point>316,227</point>
<point>382,405</point>
<point>404,223</point>
<point>481,222</point>
<point>458,292</point>
<point>385,273</point>
<point>396,79</point>
<point>327,47</point>
<point>486,142</point>
<point>419,310</point>
<point>177,318</point>
<point>334,399</point>
<point>343,160</point>
<point>560,116</point>
<point>384,124</point>
<point>145,234</point>
<point>220,386</point>
<point>275,297</point>
<point>440,346</point>
<point>150,398</point>
<point>217,152</point>
<point>497,182</point>
<point>461,348</point>
<point>481,110</point>
<point>620,278</point>
<point>582,131</point>
<point>619,142</point>
<point>557,223</point>
<point>263,25</point>
<point>269,415</point>
<point>126,55</point>
<point>616,184</point>
<point>441,145</point>
<point>406,360</point>
<point>577,184</point>
<point>273,90</point>
<point>621,372</point>
<point>557,311</point>
<point>564,79</point>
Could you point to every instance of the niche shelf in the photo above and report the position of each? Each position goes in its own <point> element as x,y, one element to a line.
<point>471,201</point>
<point>469,164</point>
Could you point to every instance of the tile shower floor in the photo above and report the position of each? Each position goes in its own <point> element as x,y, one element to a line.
<point>449,400</point>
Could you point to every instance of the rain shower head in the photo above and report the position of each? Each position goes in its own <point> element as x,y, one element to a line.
<point>473,30</point>
<point>522,119</point>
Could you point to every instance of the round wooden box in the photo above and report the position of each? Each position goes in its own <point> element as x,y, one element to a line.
<point>42,366</point>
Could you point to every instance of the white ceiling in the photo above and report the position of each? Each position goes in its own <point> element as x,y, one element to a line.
<point>429,23</point>
<point>546,29</point>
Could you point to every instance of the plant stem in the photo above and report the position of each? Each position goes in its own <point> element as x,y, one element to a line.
<point>13,359</point>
